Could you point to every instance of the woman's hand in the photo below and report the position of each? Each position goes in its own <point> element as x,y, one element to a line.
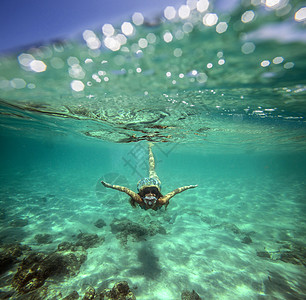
<point>106,184</point>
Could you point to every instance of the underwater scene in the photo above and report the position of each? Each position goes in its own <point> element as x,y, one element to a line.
<point>158,158</point>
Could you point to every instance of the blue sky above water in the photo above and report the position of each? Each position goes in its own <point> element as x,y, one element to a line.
<point>24,23</point>
<point>29,22</point>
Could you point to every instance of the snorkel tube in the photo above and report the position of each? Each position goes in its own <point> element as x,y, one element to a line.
<point>149,200</point>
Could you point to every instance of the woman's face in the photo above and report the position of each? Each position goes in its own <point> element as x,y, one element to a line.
<point>150,198</point>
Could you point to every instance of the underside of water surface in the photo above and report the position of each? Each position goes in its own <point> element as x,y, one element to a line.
<point>222,97</point>
<point>170,81</point>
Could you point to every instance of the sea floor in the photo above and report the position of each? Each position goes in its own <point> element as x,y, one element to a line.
<point>230,238</point>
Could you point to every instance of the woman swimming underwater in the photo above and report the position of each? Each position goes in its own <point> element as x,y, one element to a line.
<point>149,189</point>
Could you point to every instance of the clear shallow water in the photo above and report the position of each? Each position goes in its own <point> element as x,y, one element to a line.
<point>236,129</point>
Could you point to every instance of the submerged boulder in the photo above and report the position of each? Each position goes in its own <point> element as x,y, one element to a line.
<point>33,272</point>
<point>43,238</point>
<point>124,228</point>
<point>65,246</point>
<point>90,294</point>
<point>296,256</point>
<point>37,267</point>
<point>246,240</point>
<point>186,295</point>
<point>85,241</point>
<point>100,223</point>
<point>9,255</point>
<point>120,291</point>
<point>72,296</point>
<point>263,254</point>
<point>88,240</point>
<point>293,253</point>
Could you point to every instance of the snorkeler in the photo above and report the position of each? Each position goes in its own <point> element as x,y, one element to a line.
<point>149,189</point>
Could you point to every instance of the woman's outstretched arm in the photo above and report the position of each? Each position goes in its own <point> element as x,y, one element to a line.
<point>132,194</point>
<point>167,197</point>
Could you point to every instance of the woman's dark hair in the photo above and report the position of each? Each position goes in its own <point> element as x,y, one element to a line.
<point>147,190</point>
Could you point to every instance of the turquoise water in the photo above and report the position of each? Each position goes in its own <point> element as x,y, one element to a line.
<point>225,110</point>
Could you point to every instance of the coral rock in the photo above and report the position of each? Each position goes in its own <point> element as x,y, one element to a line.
<point>263,254</point>
<point>88,240</point>
<point>9,255</point>
<point>37,267</point>
<point>90,294</point>
<point>72,296</point>
<point>186,295</point>
<point>294,257</point>
<point>100,223</point>
<point>65,246</point>
<point>30,275</point>
<point>123,228</point>
<point>43,238</point>
<point>246,240</point>
<point>120,291</point>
